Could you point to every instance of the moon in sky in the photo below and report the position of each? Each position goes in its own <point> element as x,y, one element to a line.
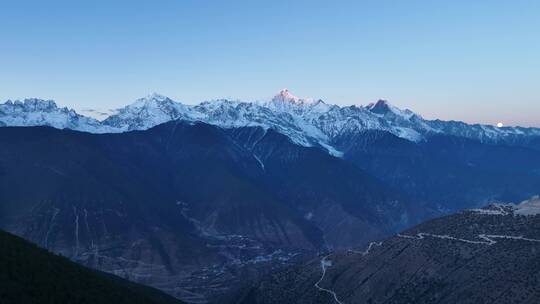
<point>500,125</point>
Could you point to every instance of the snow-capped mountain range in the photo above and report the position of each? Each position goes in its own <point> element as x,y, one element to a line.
<point>308,122</point>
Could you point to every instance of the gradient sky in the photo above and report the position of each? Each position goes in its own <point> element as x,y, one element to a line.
<point>477,61</point>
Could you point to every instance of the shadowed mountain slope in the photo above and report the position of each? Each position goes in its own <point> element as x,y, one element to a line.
<point>33,275</point>
<point>189,208</point>
<point>450,173</point>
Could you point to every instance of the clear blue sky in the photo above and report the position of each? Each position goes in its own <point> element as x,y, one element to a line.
<point>477,61</point>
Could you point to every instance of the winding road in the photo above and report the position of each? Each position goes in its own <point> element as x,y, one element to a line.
<point>486,239</point>
<point>325,263</point>
<point>483,239</point>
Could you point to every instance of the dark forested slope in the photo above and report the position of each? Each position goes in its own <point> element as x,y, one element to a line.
<point>33,275</point>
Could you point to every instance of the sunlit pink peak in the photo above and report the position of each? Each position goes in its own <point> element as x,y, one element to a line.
<point>286,96</point>
<point>285,93</point>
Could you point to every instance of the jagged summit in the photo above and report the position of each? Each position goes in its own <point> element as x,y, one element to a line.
<point>156,96</point>
<point>380,107</point>
<point>385,108</point>
<point>153,98</point>
<point>306,122</point>
<point>32,104</point>
<point>286,96</point>
<point>147,112</point>
<point>41,112</point>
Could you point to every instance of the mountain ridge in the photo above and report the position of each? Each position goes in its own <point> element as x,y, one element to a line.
<point>308,122</point>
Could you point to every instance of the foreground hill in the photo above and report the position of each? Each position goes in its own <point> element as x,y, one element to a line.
<point>33,275</point>
<point>489,255</point>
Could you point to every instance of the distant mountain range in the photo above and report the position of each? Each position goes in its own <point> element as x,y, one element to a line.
<point>485,255</point>
<point>445,163</point>
<point>307,122</point>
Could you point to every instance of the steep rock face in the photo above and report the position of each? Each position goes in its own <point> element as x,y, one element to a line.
<point>186,207</point>
<point>489,255</point>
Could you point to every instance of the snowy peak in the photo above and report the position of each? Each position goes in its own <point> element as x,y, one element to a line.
<point>152,100</point>
<point>154,97</point>
<point>153,103</point>
<point>285,96</point>
<point>380,107</point>
<point>307,122</point>
<point>285,101</point>
<point>384,108</point>
<point>40,112</point>
<point>31,105</point>
<point>147,112</point>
